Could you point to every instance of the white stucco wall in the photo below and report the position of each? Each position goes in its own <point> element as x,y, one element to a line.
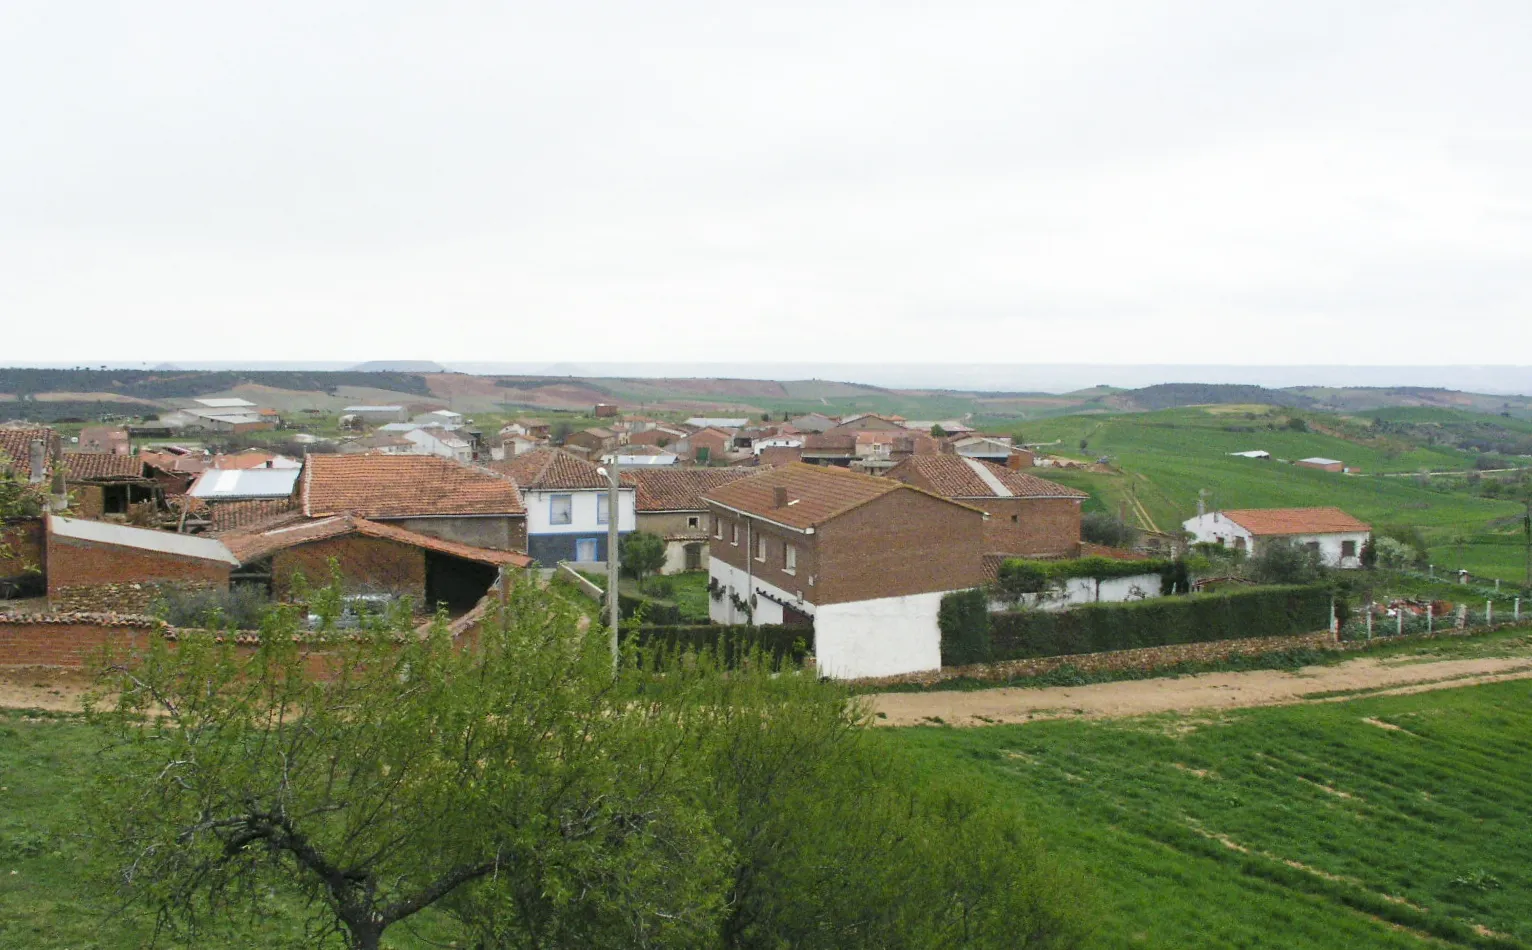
<point>883,637</point>
<point>766,611</point>
<point>1213,527</point>
<point>1082,590</point>
<point>583,512</point>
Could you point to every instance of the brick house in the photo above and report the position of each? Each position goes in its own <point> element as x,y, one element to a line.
<point>427,494</point>
<point>867,558</point>
<point>112,440</point>
<point>95,565</point>
<point>589,443</point>
<point>101,484</point>
<point>662,436</point>
<point>705,445</point>
<point>566,504</point>
<point>670,505</point>
<point>1028,515</point>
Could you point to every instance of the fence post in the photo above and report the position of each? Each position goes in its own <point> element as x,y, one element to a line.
<point>1430,617</point>
<point>1489,613</point>
<point>1431,569</point>
<point>1334,623</point>
<point>1399,616</point>
<point>1497,585</point>
<point>1369,621</point>
<point>1516,615</point>
<point>1462,616</point>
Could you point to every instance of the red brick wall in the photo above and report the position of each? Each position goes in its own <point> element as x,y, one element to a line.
<point>1031,526</point>
<point>780,455</point>
<point>80,644</point>
<point>371,563</point>
<point>87,501</point>
<point>904,542</point>
<point>76,563</point>
<point>771,570</point>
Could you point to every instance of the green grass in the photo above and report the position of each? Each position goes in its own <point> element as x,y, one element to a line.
<point>1352,835</point>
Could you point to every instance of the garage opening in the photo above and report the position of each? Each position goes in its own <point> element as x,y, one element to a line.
<point>456,583</point>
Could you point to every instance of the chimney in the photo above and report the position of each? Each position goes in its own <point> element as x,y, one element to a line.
<point>39,461</point>
<point>779,497</point>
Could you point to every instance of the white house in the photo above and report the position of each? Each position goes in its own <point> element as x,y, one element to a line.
<point>989,448</point>
<point>441,417</point>
<point>776,442</point>
<point>566,499</point>
<point>1337,536</point>
<point>432,440</point>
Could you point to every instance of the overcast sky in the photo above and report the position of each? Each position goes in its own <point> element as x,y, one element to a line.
<point>1286,182</point>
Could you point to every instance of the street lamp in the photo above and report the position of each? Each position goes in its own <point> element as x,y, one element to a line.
<point>613,514</point>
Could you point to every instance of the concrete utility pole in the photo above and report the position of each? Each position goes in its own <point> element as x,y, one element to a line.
<point>613,516</point>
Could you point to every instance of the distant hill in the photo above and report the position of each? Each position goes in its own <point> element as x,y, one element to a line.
<point>398,366</point>
<point>1173,395</point>
<point>188,384</point>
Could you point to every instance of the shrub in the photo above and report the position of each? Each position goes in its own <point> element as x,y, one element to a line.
<point>1196,618</point>
<point>964,622</point>
<point>641,554</point>
<point>780,641</point>
<point>238,608</point>
<point>1280,561</point>
<point>1102,527</point>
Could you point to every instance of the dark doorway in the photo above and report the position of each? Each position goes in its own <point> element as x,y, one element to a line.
<point>794,618</point>
<point>694,557</point>
<point>456,583</point>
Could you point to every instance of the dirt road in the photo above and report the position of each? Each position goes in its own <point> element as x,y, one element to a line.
<point>1369,676</point>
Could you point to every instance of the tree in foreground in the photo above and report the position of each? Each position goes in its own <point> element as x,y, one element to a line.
<point>642,554</point>
<point>520,795</point>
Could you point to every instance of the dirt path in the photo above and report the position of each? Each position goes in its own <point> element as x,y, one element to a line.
<point>1367,676</point>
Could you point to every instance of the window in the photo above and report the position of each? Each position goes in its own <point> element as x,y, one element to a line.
<point>1313,546</point>
<point>1348,549</point>
<point>561,509</point>
<point>760,549</point>
<point>693,521</point>
<point>1239,544</point>
<point>601,508</point>
<point>585,549</point>
<point>790,558</point>
<point>734,533</point>
<point>1015,519</point>
<point>718,527</point>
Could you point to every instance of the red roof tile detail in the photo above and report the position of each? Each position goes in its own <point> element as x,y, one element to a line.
<point>1270,521</point>
<point>952,476</point>
<point>79,466</point>
<point>815,494</point>
<point>682,489</point>
<point>403,486</point>
<point>254,543</point>
<point>16,446</point>
<point>544,469</point>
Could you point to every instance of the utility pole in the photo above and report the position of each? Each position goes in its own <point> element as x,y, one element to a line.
<point>1526,529</point>
<point>613,516</point>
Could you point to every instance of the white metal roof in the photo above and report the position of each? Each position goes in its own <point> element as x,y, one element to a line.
<point>229,403</point>
<point>1316,460</point>
<point>245,483</point>
<point>1253,454</point>
<point>144,539</point>
<point>399,427</point>
<point>373,409</point>
<point>703,422</point>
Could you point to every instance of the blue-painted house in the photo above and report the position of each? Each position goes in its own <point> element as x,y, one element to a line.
<point>566,499</point>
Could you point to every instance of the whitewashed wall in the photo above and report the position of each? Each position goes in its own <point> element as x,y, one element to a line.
<point>1082,590</point>
<point>583,511</point>
<point>766,611</point>
<point>883,637</point>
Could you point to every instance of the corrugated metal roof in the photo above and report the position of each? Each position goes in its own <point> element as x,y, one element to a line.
<point>705,422</point>
<point>144,539</point>
<point>229,403</point>
<point>245,483</point>
<point>373,409</point>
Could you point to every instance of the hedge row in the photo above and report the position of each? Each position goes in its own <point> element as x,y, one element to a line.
<point>782,642</point>
<point>1194,618</point>
<point>656,612</point>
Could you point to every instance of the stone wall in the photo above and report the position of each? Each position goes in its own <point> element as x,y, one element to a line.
<point>135,598</point>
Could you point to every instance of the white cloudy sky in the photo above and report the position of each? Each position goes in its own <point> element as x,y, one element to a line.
<point>1184,182</point>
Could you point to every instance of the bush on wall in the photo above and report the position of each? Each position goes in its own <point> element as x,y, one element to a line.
<point>964,622</point>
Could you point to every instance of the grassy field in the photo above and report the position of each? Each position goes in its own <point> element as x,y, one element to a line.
<point>1378,822</point>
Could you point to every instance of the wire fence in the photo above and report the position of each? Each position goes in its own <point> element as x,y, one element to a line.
<point>1459,617</point>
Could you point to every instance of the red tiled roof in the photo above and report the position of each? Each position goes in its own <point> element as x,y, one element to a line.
<point>682,489</point>
<point>544,469</point>
<point>173,463</point>
<point>815,494</point>
<point>824,442</point>
<point>953,477</point>
<point>228,515</point>
<point>403,486</point>
<point>254,543</point>
<point>80,466</point>
<point>250,458</point>
<point>16,445</point>
<point>1270,521</point>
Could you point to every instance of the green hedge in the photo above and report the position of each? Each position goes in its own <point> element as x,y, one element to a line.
<point>1195,618</point>
<point>964,623</point>
<point>1022,576</point>
<point>781,641</point>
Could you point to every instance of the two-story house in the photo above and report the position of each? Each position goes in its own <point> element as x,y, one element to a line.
<point>867,558</point>
<point>1028,515</point>
<point>567,509</point>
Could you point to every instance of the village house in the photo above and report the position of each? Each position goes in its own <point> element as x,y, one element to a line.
<point>986,448</point>
<point>670,506</point>
<point>377,415</point>
<point>1028,516</point>
<point>705,446</point>
<point>105,567</point>
<point>112,440</point>
<point>717,422</point>
<point>641,456</point>
<point>439,417</point>
<point>590,443</point>
<point>868,559</point>
<point>101,485</point>
<point>605,410</point>
<point>1322,464</point>
<point>173,467</point>
<point>437,440</point>
<point>1337,536</point>
<point>660,435</point>
<point>386,443</point>
<point>422,493</point>
<point>566,501</point>
<point>253,458</point>
<point>534,428</point>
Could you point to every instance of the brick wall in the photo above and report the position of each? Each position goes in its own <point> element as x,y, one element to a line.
<point>124,598</point>
<point>87,501</point>
<point>901,543</point>
<point>71,641</point>
<point>365,563</point>
<point>73,563</point>
<point>773,569</point>
<point>22,547</point>
<point>1031,526</point>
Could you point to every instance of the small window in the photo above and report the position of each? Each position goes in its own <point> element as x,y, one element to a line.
<point>790,558</point>
<point>585,550</point>
<point>718,527</point>
<point>760,549</point>
<point>1313,546</point>
<point>693,521</point>
<point>734,533</point>
<point>560,509</point>
<point>1348,549</point>
<point>1015,519</point>
<point>1239,544</point>
<point>602,516</point>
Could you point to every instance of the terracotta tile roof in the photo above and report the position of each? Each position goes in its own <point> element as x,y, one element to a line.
<point>842,442</point>
<point>228,515</point>
<point>545,469</point>
<point>682,489</point>
<point>173,463</point>
<point>1270,521</point>
<point>954,477</point>
<point>82,466</point>
<point>16,445</point>
<point>263,540</point>
<point>403,486</point>
<point>815,494</point>
<point>252,458</point>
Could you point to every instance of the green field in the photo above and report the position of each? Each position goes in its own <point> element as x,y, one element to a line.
<point>1302,827</point>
